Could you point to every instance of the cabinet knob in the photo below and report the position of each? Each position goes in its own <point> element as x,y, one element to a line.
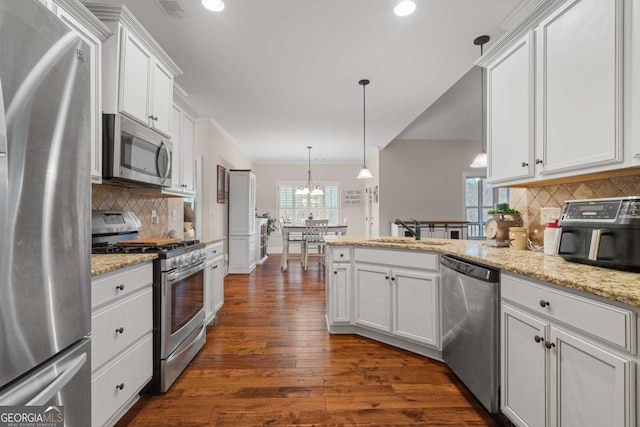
<point>155,118</point>
<point>538,161</point>
<point>215,266</point>
<point>341,255</point>
<point>393,278</point>
<point>120,287</point>
<point>544,303</point>
<point>150,117</point>
<point>538,339</point>
<point>549,345</point>
<point>335,272</point>
<point>386,277</point>
<point>120,386</point>
<point>120,330</point>
<point>525,164</point>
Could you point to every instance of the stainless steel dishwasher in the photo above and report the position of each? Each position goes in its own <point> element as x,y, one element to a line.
<point>470,327</point>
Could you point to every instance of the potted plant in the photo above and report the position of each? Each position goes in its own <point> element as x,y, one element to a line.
<point>271,223</point>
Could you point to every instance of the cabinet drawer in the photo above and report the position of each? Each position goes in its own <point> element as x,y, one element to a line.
<point>117,327</point>
<point>133,371</point>
<point>414,259</point>
<point>215,249</point>
<point>612,324</point>
<point>111,286</point>
<point>340,254</point>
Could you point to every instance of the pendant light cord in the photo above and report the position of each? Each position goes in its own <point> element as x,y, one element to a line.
<point>480,41</point>
<point>364,125</point>
<point>309,172</point>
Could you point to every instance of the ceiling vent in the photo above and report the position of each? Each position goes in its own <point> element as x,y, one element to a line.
<point>172,8</point>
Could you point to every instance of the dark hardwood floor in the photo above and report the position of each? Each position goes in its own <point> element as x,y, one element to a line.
<point>270,361</point>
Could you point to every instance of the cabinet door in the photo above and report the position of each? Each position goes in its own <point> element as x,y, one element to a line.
<point>135,75</point>
<point>510,113</point>
<point>176,154</point>
<point>94,56</point>
<point>340,297</point>
<point>187,142</point>
<point>373,297</point>
<point>218,284</point>
<point>633,108</point>
<point>580,93</point>
<point>593,386</point>
<point>162,99</point>
<point>416,306</point>
<point>524,368</point>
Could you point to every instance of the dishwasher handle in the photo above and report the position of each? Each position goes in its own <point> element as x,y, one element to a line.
<point>483,273</point>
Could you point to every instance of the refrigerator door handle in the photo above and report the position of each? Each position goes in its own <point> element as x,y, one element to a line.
<point>56,385</point>
<point>4,167</point>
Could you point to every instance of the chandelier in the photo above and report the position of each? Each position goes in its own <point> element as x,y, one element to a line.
<point>310,189</point>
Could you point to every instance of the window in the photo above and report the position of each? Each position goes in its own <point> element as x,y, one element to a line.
<point>479,199</point>
<point>296,209</point>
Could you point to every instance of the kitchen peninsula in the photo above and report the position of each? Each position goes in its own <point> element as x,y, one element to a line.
<point>568,332</point>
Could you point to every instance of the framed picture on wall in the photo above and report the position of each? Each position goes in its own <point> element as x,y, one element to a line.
<point>221,187</point>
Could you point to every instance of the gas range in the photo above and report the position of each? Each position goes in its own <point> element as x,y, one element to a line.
<point>164,251</point>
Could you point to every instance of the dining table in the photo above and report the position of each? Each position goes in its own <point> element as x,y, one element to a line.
<point>293,229</point>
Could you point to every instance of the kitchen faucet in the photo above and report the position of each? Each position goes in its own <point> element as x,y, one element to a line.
<point>415,233</point>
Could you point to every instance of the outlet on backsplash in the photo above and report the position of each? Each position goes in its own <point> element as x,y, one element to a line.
<point>548,214</point>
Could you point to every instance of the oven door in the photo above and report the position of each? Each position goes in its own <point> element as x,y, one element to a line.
<point>182,306</point>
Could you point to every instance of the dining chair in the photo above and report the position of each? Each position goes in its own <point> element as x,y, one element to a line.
<point>314,235</point>
<point>291,238</point>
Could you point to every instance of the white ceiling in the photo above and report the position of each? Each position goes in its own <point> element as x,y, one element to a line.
<point>279,75</point>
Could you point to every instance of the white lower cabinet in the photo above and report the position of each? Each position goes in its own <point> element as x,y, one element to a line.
<point>556,372</point>
<point>373,297</point>
<point>339,294</point>
<point>389,293</point>
<point>416,306</point>
<point>121,341</point>
<point>214,280</point>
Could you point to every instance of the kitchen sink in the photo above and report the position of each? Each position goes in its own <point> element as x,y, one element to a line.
<point>409,241</point>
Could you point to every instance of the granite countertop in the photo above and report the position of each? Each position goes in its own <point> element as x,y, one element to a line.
<point>207,240</point>
<point>101,264</point>
<point>615,285</point>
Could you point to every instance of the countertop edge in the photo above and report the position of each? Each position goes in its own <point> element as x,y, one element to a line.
<point>613,285</point>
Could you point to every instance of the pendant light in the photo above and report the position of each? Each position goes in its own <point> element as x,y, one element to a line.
<point>365,173</point>
<point>310,189</point>
<point>481,159</point>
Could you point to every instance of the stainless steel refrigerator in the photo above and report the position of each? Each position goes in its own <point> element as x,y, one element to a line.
<point>45,276</point>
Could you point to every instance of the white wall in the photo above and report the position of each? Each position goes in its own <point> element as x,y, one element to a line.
<point>216,149</point>
<point>267,177</point>
<point>423,180</point>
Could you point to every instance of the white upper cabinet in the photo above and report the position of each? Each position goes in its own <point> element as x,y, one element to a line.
<point>555,93</point>
<point>510,118</point>
<point>137,73</point>
<point>580,91</point>
<point>187,153</point>
<point>135,78</point>
<point>162,98</point>
<point>176,154</point>
<point>94,33</point>
<point>632,107</point>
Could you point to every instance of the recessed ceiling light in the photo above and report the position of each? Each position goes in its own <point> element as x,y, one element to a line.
<point>404,8</point>
<point>214,5</point>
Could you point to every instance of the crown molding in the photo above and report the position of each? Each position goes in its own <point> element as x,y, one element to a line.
<point>86,18</point>
<point>526,17</point>
<point>122,15</point>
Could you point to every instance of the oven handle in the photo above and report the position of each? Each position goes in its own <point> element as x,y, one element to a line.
<point>178,275</point>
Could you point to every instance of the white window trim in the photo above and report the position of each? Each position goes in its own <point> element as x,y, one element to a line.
<point>296,184</point>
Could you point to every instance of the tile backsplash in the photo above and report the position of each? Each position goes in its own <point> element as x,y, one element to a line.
<point>529,201</point>
<point>106,197</point>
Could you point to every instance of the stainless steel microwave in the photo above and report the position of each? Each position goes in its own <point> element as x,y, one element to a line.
<point>133,155</point>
